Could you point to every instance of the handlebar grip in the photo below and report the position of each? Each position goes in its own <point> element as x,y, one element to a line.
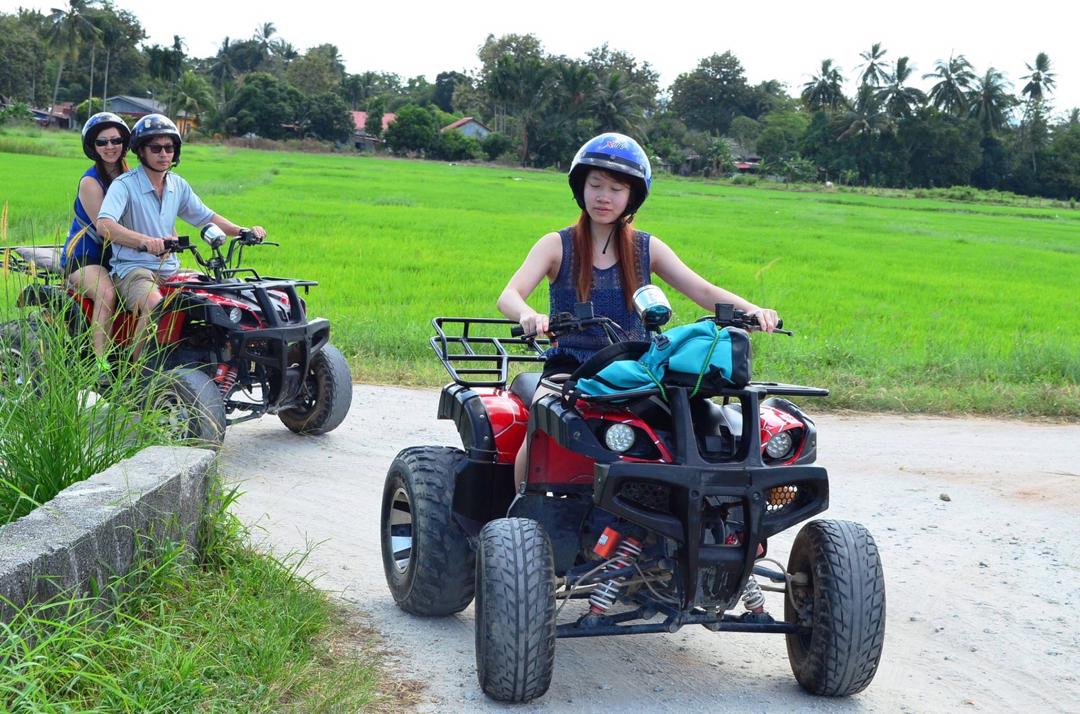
<point>517,331</point>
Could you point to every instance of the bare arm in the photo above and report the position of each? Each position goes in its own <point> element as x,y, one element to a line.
<point>231,229</point>
<point>543,260</point>
<point>676,274</point>
<point>90,196</point>
<point>112,231</point>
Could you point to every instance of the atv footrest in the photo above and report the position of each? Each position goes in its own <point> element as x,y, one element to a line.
<point>603,625</point>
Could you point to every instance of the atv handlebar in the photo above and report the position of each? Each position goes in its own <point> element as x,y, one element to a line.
<point>729,316</point>
<point>564,322</point>
<point>172,245</point>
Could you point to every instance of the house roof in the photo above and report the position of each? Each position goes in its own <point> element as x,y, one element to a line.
<point>150,106</point>
<point>462,122</point>
<point>360,119</point>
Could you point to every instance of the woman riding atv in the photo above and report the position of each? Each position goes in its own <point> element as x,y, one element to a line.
<point>603,260</point>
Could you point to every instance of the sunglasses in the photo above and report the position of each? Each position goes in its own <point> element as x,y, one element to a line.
<point>115,141</point>
<point>158,148</point>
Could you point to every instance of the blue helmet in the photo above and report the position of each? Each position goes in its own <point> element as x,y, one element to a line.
<point>153,125</point>
<point>617,153</point>
<point>95,125</point>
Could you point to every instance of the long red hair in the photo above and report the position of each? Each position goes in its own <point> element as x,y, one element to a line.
<point>629,260</point>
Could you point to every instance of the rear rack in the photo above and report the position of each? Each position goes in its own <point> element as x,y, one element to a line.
<point>481,360</point>
<point>34,260</point>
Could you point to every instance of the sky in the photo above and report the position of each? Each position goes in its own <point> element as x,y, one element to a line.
<point>778,40</point>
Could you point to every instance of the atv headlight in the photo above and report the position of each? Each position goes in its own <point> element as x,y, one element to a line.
<point>779,446</point>
<point>619,437</point>
<point>235,314</point>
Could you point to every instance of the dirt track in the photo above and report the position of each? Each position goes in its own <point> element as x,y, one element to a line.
<point>978,523</point>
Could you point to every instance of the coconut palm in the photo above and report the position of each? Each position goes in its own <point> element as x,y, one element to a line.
<point>825,89</point>
<point>875,70</point>
<point>1040,80</point>
<point>866,117</point>
<point>616,107</point>
<point>191,95</point>
<point>68,29</point>
<point>954,80</point>
<point>897,99</point>
<point>989,102</point>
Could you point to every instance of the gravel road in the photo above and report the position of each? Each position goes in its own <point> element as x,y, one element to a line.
<point>978,523</point>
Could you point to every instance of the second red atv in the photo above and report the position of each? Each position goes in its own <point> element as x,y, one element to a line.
<point>233,345</point>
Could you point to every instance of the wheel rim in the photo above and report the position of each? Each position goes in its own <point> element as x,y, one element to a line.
<point>175,416</point>
<point>401,531</point>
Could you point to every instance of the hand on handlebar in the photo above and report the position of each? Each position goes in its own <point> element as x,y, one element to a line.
<point>767,320</point>
<point>255,234</point>
<point>534,324</point>
<point>154,246</point>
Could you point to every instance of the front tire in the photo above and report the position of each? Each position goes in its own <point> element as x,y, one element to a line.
<point>325,396</point>
<point>515,610</point>
<point>191,405</point>
<point>842,605</point>
<point>426,556</point>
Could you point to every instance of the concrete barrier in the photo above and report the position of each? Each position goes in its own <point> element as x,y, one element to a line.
<point>92,532</point>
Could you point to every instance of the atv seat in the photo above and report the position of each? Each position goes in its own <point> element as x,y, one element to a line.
<point>524,386</point>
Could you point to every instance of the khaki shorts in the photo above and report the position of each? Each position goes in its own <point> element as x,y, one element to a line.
<point>134,287</point>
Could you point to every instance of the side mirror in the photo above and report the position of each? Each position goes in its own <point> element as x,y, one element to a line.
<point>652,306</point>
<point>214,236</point>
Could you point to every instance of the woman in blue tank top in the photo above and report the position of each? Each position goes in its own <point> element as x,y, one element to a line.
<point>603,260</point>
<point>85,257</point>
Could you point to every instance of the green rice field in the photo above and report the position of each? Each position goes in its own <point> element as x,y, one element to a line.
<point>897,303</point>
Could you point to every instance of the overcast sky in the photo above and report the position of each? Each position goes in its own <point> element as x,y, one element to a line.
<point>774,40</point>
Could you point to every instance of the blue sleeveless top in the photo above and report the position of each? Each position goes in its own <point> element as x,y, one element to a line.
<point>607,299</point>
<point>88,243</point>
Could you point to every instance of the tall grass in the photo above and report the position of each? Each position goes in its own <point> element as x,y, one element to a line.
<point>59,424</point>
<point>230,631</point>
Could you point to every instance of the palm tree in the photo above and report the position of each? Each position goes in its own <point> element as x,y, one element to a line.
<point>222,70</point>
<point>866,117</point>
<point>191,95</point>
<point>575,85</point>
<point>875,71</point>
<point>897,99</point>
<point>989,102</point>
<point>522,84</point>
<point>67,29</point>
<point>824,89</point>
<point>1040,80</point>
<point>616,106</point>
<point>955,77</point>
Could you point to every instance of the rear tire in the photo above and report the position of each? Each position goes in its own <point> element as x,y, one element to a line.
<point>326,395</point>
<point>427,559</point>
<point>842,604</point>
<point>515,610</point>
<point>21,355</point>
<point>192,405</point>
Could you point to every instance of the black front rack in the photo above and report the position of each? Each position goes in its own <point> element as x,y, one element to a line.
<point>477,360</point>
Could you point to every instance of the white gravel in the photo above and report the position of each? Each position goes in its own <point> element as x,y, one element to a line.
<point>977,520</point>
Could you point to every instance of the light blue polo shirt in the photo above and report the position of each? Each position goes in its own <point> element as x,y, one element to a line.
<point>132,202</point>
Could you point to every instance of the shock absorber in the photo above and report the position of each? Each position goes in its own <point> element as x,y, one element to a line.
<point>603,597</point>
<point>225,375</point>
<point>752,596</point>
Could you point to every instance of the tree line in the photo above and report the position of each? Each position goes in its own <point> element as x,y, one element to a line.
<point>971,128</point>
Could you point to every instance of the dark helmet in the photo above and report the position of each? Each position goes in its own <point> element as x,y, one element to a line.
<point>619,154</point>
<point>94,126</point>
<point>153,125</point>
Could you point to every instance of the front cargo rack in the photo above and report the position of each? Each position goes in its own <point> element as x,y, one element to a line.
<point>474,357</point>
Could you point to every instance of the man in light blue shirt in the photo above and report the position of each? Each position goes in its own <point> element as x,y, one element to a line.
<point>140,211</point>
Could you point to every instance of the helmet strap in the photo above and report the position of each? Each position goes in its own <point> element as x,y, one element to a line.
<point>608,241</point>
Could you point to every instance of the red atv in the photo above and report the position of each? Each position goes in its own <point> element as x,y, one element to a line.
<point>233,345</point>
<point>653,507</point>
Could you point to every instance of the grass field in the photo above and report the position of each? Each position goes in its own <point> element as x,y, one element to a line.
<point>899,304</point>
